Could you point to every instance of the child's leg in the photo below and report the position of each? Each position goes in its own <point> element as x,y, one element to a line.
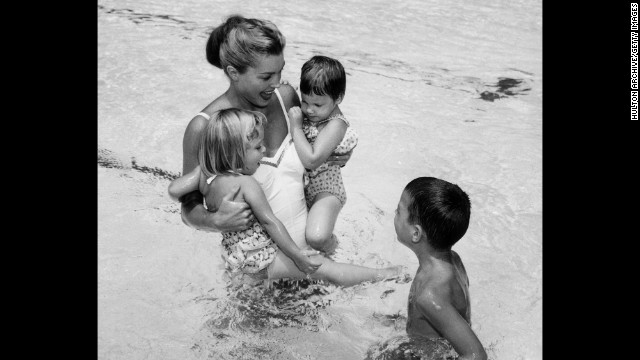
<point>321,221</point>
<point>338,273</point>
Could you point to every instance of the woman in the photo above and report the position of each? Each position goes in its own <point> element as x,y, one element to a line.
<point>250,52</point>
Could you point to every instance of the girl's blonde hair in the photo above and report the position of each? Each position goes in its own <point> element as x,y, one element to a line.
<point>225,139</point>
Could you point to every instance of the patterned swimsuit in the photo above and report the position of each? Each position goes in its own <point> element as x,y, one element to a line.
<point>249,251</point>
<point>327,178</point>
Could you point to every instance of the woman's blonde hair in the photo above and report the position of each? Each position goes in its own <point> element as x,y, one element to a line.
<point>225,139</point>
<point>240,42</point>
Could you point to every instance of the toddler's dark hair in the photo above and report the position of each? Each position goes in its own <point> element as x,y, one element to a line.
<point>441,208</point>
<point>323,75</point>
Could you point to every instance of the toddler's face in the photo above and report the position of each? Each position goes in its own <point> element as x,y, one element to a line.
<point>401,220</point>
<point>317,107</point>
<point>254,153</point>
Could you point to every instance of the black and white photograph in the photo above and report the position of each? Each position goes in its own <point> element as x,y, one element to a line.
<point>319,180</point>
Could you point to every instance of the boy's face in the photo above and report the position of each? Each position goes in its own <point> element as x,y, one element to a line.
<point>401,220</point>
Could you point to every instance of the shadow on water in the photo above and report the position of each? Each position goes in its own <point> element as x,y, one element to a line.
<point>506,87</point>
<point>108,159</point>
<point>140,18</point>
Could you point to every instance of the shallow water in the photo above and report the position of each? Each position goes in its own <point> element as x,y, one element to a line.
<point>451,89</point>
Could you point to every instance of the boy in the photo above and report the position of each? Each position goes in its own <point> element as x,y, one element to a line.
<point>432,215</point>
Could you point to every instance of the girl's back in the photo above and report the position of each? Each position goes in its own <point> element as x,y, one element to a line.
<point>220,186</point>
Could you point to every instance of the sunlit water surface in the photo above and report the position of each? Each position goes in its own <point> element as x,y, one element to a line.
<point>450,89</point>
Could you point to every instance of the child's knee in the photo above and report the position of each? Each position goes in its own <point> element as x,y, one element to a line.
<point>317,239</point>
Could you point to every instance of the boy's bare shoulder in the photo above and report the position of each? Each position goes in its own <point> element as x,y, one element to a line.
<point>434,286</point>
<point>459,269</point>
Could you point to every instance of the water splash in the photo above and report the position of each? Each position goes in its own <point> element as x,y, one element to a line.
<point>412,347</point>
<point>266,306</point>
<point>237,324</point>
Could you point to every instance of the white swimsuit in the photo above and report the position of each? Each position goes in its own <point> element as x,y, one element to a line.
<point>282,179</point>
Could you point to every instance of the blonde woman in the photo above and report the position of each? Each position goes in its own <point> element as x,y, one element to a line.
<point>250,52</point>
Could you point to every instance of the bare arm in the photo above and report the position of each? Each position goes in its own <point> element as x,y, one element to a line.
<point>291,99</point>
<point>339,159</point>
<point>230,215</point>
<point>448,322</point>
<point>184,184</point>
<point>328,139</point>
<point>254,195</point>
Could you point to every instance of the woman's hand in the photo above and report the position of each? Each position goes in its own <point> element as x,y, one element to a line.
<point>341,160</point>
<point>295,115</point>
<point>305,263</point>
<point>232,215</point>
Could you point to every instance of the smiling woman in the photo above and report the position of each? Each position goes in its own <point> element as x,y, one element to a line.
<point>258,79</point>
<point>250,53</point>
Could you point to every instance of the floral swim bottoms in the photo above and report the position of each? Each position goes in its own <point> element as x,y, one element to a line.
<point>249,251</point>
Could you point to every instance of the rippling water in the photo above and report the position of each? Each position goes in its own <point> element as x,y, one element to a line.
<point>451,89</point>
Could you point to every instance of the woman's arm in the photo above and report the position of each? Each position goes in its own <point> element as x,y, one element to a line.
<point>230,215</point>
<point>448,322</point>
<point>328,139</point>
<point>184,184</point>
<point>254,195</point>
<point>339,159</point>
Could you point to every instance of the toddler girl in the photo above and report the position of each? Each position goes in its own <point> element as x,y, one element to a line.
<point>323,131</point>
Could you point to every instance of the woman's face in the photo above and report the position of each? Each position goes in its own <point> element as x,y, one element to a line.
<point>257,83</point>
<point>253,153</point>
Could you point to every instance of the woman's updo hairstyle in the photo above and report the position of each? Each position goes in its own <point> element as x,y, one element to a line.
<point>240,41</point>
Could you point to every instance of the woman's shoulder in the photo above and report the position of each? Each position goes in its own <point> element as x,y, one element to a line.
<point>221,102</point>
<point>289,95</point>
<point>198,122</point>
<point>201,119</point>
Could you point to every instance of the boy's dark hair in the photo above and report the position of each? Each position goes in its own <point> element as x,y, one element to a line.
<point>441,208</point>
<point>322,75</point>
